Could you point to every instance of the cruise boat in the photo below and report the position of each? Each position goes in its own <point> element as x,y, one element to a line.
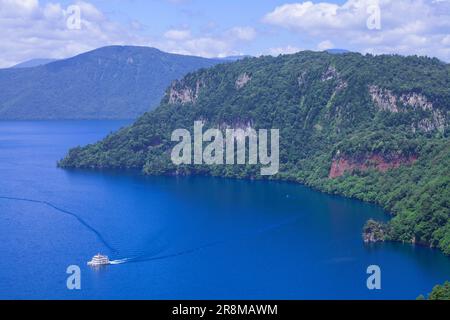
<point>99,260</point>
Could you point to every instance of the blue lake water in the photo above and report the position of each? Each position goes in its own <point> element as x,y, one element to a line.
<point>188,238</point>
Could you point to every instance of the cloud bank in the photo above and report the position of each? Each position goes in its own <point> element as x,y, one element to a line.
<point>406,26</point>
<point>31,29</point>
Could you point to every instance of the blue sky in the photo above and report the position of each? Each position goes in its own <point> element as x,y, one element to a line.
<point>38,29</point>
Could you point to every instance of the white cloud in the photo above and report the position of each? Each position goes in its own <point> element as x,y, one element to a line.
<point>201,46</point>
<point>446,41</point>
<point>18,8</point>
<point>325,45</point>
<point>307,15</point>
<point>242,33</point>
<point>283,50</point>
<point>407,26</point>
<point>30,29</point>
<point>219,44</point>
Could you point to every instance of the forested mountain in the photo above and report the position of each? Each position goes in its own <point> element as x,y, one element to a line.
<point>116,82</point>
<point>33,63</point>
<point>368,127</point>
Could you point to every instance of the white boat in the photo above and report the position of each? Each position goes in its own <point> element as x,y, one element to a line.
<point>99,260</point>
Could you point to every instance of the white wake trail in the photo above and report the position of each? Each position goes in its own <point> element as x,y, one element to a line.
<point>120,261</point>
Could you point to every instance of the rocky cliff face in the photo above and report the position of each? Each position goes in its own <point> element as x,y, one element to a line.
<point>386,100</point>
<point>374,231</point>
<point>242,80</point>
<point>331,74</point>
<point>343,164</point>
<point>183,93</point>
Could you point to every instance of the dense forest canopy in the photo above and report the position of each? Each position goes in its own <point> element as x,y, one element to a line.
<point>369,127</point>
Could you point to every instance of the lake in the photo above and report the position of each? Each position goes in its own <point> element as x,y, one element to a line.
<point>184,238</point>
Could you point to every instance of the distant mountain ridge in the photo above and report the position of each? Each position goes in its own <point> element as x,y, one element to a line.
<point>33,63</point>
<point>337,51</point>
<point>235,58</point>
<point>115,82</point>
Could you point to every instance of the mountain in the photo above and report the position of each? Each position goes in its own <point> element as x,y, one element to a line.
<point>33,63</point>
<point>374,128</point>
<point>116,82</point>
<point>235,58</point>
<point>337,51</point>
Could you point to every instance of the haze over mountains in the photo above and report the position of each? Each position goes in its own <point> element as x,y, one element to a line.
<point>115,82</point>
<point>33,63</point>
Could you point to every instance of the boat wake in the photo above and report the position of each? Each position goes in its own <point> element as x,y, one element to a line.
<point>152,256</point>
<point>84,223</point>
<point>146,257</point>
<point>120,261</point>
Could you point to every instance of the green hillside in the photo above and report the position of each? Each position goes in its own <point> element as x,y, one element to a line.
<point>116,82</point>
<point>369,127</point>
